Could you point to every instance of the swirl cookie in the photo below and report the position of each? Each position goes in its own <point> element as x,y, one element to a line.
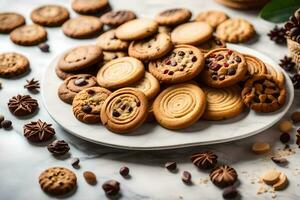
<point>179,106</point>
<point>87,7</point>
<point>182,64</point>
<point>74,84</point>
<point>212,17</point>
<point>193,33</point>
<point>57,181</point>
<point>9,21</point>
<point>151,48</point>
<point>120,72</point>
<point>263,93</point>
<point>235,30</point>
<point>28,35</point>
<point>82,27</point>
<point>136,29</point>
<point>276,74</point>
<point>223,68</point>
<point>13,64</point>
<point>173,17</point>
<point>116,18</point>
<point>80,57</point>
<point>50,15</point>
<point>211,44</point>
<point>109,42</point>
<point>124,110</point>
<point>223,103</point>
<point>149,85</point>
<point>255,66</point>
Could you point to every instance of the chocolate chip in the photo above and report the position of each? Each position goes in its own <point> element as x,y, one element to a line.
<point>130,109</point>
<point>123,107</point>
<point>86,108</point>
<point>138,104</point>
<point>231,71</point>
<point>171,166</point>
<point>124,171</point>
<point>226,64</point>
<point>75,162</point>
<point>90,92</point>
<point>215,66</point>
<point>221,78</point>
<point>6,124</point>
<point>80,81</point>
<point>238,59</point>
<point>173,63</point>
<point>285,137</point>
<point>279,160</point>
<point>166,71</point>
<point>116,113</point>
<point>111,187</point>
<point>194,59</point>
<point>168,62</point>
<point>219,57</point>
<point>212,55</point>
<point>186,177</point>
<point>44,47</point>
<point>190,52</point>
<point>230,193</point>
<point>181,53</point>
<point>170,72</point>
<point>214,77</point>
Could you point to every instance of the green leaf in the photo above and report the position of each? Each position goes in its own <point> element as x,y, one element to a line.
<point>278,11</point>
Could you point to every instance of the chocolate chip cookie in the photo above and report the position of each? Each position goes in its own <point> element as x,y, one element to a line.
<point>50,15</point>
<point>116,18</point>
<point>109,42</point>
<point>9,21</point>
<point>87,7</point>
<point>124,110</point>
<point>182,64</point>
<point>87,104</point>
<point>151,48</point>
<point>28,35</point>
<point>212,17</point>
<point>74,84</point>
<point>13,64</point>
<point>173,17</point>
<point>111,55</point>
<point>92,70</point>
<point>223,68</point>
<point>211,44</point>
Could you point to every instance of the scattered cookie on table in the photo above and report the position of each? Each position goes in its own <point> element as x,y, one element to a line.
<point>223,176</point>
<point>285,126</point>
<point>212,17</point>
<point>90,177</point>
<point>204,160</point>
<point>173,16</point>
<point>38,131</point>
<point>116,18</point>
<point>87,7</point>
<point>28,35</point>
<point>13,64</point>
<point>58,147</point>
<point>22,105</point>
<point>260,147</point>
<point>109,42</point>
<point>9,21</point>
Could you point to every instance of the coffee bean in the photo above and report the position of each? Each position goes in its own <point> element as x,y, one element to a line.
<point>181,53</point>
<point>116,113</point>
<point>238,59</point>
<point>221,78</point>
<point>285,137</point>
<point>80,81</point>
<point>186,177</point>
<point>170,72</point>
<point>230,193</point>
<point>90,92</point>
<point>6,124</point>
<point>279,160</point>
<point>44,47</point>
<point>124,171</point>
<point>111,187</point>
<point>194,59</point>
<point>171,166</point>
<point>86,108</point>
<point>75,162</point>
<point>231,71</point>
<point>90,177</point>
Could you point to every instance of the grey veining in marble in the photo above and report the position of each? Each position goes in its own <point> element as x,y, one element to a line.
<point>22,162</point>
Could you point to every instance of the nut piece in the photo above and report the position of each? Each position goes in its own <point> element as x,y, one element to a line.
<point>90,177</point>
<point>285,126</point>
<point>271,177</point>
<point>282,183</point>
<point>295,117</point>
<point>260,147</point>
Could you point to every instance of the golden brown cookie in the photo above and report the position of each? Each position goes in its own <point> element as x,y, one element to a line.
<point>28,35</point>
<point>82,27</point>
<point>182,64</point>
<point>223,103</point>
<point>223,68</point>
<point>193,33</point>
<point>165,29</point>
<point>120,72</point>
<point>9,21</point>
<point>179,106</point>
<point>50,15</point>
<point>173,17</point>
<point>109,42</point>
<point>149,85</point>
<point>243,4</point>
<point>116,18</point>
<point>87,7</point>
<point>74,84</point>
<point>136,29</point>
<point>211,44</point>
<point>263,93</point>
<point>87,104</point>
<point>151,48</point>
<point>13,64</point>
<point>124,110</point>
<point>80,57</point>
<point>275,73</point>
<point>235,30</point>
<point>254,66</point>
<point>92,70</point>
<point>111,55</point>
<point>57,181</point>
<point>212,17</point>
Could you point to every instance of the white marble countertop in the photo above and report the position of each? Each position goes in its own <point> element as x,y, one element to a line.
<point>22,162</point>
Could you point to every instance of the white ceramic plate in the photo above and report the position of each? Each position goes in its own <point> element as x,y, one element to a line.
<point>153,136</point>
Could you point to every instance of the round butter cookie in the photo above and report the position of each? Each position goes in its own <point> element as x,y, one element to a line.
<point>109,42</point>
<point>116,18</point>
<point>222,103</point>
<point>87,7</point>
<point>28,35</point>
<point>212,17</point>
<point>243,4</point>
<point>9,21</point>
<point>173,16</point>
<point>124,110</point>
<point>179,106</point>
<point>13,64</point>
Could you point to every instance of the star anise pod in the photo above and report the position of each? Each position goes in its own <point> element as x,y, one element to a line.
<point>32,85</point>
<point>277,34</point>
<point>293,27</point>
<point>287,64</point>
<point>38,131</point>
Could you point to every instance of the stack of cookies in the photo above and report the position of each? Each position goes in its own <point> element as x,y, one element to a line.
<point>170,69</point>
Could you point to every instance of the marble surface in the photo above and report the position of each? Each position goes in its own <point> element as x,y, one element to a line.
<point>22,162</point>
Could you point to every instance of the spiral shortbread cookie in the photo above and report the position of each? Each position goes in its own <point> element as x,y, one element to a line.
<point>120,72</point>
<point>276,74</point>
<point>124,110</point>
<point>179,106</point>
<point>223,103</point>
<point>255,66</point>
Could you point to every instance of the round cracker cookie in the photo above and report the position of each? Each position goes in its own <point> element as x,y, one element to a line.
<point>179,106</point>
<point>182,64</point>
<point>82,27</point>
<point>87,7</point>
<point>149,85</point>
<point>109,42</point>
<point>223,68</point>
<point>136,29</point>
<point>235,30</point>
<point>57,181</point>
<point>50,15</point>
<point>87,104</point>
<point>173,17</point>
<point>211,44</point>
<point>212,17</point>
<point>151,48</point>
<point>116,18</point>
<point>120,72</point>
<point>28,35</point>
<point>9,21</point>
<point>80,57</point>
<point>124,110</point>
<point>13,64</point>
<point>223,103</point>
<point>193,33</point>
